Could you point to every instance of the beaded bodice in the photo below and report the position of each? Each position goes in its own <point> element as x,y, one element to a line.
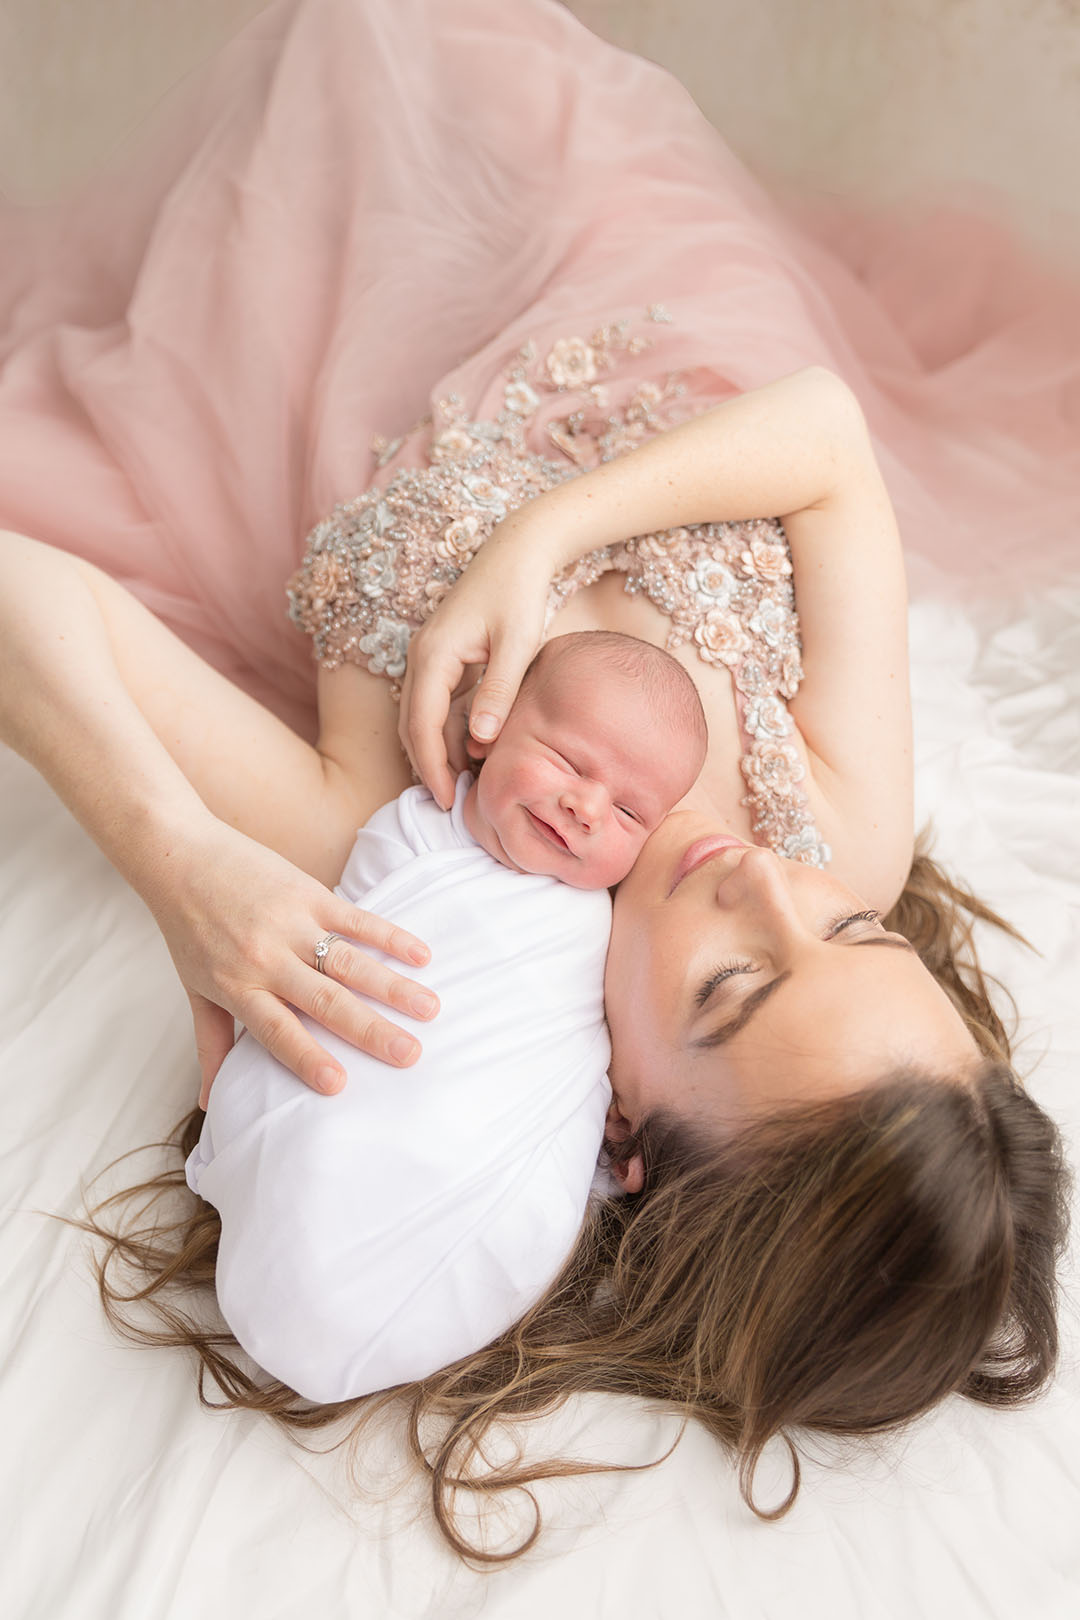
<point>379,564</point>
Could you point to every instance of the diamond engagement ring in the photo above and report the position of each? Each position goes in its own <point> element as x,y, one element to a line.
<point>321,949</point>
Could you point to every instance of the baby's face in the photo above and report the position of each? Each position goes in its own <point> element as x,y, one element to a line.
<point>579,777</point>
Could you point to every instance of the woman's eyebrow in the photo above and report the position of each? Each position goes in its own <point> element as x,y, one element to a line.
<point>731,1026</point>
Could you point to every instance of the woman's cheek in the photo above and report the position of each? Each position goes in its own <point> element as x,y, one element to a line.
<point>628,991</point>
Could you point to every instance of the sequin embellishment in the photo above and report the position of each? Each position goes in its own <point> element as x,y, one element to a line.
<point>380,564</point>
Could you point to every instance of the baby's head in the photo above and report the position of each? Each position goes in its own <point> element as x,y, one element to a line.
<point>606,735</point>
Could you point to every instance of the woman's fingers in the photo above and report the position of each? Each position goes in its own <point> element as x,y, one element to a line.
<point>494,615</point>
<point>214,1038</point>
<point>367,929</point>
<point>242,924</point>
<point>275,1026</point>
<point>328,998</point>
<point>511,654</point>
<point>425,704</point>
<point>430,682</point>
<point>455,732</point>
<point>344,965</point>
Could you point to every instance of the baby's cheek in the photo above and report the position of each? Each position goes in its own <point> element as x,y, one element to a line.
<point>632,847</point>
<point>640,838</point>
<point>619,862</point>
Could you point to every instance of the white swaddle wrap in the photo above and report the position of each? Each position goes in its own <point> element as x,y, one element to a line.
<point>370,1238</point>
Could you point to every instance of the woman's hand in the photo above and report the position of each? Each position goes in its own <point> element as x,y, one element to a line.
<point>162,760</point>
<point>241,924</point>
<point>495,616</point>
<point>456,730</point>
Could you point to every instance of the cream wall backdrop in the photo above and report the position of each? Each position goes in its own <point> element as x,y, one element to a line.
<point>883,99</point>
<point>863,98</point>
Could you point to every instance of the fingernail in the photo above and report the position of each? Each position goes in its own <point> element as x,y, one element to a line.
<point>328,1081</point>
<point>484,726</point>
<point>403,1049</point>
<point>419,953</point>
<point>423,1004</point>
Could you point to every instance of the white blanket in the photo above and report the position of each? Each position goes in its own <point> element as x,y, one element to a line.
<point>122,1499</point>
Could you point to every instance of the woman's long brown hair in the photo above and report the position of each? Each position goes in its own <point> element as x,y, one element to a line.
<point>839,1267</point>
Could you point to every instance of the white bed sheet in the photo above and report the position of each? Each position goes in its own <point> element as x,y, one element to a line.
<point>121,1499</point>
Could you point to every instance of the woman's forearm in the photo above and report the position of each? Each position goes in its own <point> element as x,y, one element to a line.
<point>65,709</point>
<point>773,451</point>
<point>164,761</point>
<point>141,738</point>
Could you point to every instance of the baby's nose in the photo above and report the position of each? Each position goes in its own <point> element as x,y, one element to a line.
<point>587,802</point>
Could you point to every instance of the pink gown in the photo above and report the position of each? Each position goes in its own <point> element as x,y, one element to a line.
<point>362,207</point>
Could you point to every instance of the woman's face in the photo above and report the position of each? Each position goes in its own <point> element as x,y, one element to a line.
<point>738,981</point>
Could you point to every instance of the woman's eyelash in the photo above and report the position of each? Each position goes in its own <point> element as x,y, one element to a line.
<point>716,978</point>
<point>727,969</point>
<point>845,918</point>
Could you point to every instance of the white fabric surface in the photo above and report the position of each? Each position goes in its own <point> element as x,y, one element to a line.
<point>122,1499</point>
<point>370,1238</point>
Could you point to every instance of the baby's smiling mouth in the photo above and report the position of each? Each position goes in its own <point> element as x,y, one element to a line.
<point>546,830</point>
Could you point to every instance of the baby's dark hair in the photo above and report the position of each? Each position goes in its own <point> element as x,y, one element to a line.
<point>663,682</point>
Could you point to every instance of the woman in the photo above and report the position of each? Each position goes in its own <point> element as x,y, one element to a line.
<point>317,252</point>
<point>841,1204</point>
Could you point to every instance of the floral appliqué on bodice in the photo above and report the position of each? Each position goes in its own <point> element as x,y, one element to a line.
<point>381,563</point>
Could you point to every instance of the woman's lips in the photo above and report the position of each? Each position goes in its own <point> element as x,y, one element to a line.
<point>546,831</point>
<point>702,851</point>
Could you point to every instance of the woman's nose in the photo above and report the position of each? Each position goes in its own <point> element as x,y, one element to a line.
<point>760,879</point>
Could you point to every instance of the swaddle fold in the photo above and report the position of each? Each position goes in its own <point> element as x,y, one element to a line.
<point>373,1237</point>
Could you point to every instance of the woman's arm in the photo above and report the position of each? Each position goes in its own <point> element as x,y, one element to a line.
<point>853,708</point>
<point>774,451</point>
<point>133,730</point>
<point>797,449</point>
<point>173,771</point>
<point>766,453</point>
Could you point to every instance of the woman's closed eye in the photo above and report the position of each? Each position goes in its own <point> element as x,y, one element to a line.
<point>725,971</point>
<point>846,919</point>
<point>728,970</point>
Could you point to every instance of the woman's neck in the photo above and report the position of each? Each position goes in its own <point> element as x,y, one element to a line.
<point>713,798</point>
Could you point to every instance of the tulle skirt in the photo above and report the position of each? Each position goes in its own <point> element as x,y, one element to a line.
<point>360,207</point>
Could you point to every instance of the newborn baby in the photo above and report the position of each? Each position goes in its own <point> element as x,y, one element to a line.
<point>606,735</point>
<point>372,1237</point>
